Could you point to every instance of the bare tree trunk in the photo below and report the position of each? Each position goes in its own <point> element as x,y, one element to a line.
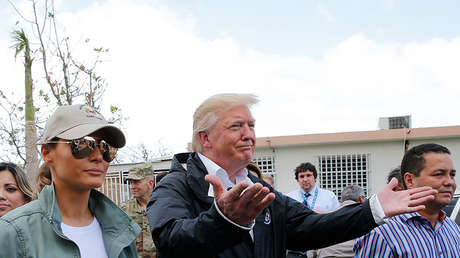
<point>32,161</point>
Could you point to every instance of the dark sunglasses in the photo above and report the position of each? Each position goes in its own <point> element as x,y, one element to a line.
<point>83,147</point>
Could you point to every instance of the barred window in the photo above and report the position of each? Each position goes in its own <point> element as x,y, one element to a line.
<point>266,165</point>
<point>337,171</point>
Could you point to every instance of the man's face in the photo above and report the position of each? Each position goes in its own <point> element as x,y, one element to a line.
<point>306,180</point>
<point>231,141</point>
<point>439,173</point>
<point>140,188</point>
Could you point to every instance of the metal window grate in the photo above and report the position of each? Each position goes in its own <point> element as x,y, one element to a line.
<point>266,165</point>
<point>337,171</point>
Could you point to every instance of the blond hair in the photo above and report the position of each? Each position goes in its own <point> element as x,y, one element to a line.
<point>205,116</point>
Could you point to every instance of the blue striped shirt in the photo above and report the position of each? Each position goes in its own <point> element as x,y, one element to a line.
<point>411,235</point>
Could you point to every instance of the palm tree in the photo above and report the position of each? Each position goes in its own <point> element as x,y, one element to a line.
<point>21,45</point>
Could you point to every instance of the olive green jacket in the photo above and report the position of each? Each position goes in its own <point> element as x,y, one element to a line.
<point>34,230</point>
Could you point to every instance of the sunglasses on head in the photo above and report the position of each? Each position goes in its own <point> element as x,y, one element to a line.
<point>83,147</point>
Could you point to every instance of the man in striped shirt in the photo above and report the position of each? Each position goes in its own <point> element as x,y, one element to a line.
<point>429,232</point>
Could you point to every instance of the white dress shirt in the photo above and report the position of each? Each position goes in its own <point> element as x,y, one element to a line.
<point>323,201</point>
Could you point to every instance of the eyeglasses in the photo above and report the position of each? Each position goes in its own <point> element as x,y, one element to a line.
<point>83,147</point>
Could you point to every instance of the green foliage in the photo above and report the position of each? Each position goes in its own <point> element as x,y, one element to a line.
<point>20,41</point>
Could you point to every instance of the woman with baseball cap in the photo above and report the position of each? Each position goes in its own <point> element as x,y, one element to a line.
<point>70,218</point>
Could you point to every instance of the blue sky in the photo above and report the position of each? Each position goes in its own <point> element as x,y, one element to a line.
<point>317,66</point>
<point>306,27</point>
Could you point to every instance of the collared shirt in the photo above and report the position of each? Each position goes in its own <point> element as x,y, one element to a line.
<point>214,169</point>
<point>241,176</point>
<point>320,199</point>
<point>411,235</point>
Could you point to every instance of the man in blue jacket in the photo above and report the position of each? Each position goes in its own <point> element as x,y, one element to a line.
<point>209,206</point>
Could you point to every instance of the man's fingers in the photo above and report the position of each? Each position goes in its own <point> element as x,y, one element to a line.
<point>420,201</point>
<point>420,189</point>
<point>392,184</point>
<point>216,184</point>
<point>266,201</point>
<point>260,195</point>
<point>251,192</point>
<point>414,209</point>
<point>427,193</point>
<point>236,191</point>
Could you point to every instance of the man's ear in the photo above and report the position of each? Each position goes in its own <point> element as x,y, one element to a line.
<point>409,179</point>
<point>204,139</point>
<point>151,183</point>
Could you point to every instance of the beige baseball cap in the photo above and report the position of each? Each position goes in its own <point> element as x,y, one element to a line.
<point>76,121</point>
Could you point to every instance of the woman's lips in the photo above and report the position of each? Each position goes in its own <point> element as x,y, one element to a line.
<point>94,171</point>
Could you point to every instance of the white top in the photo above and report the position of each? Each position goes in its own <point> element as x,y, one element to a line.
<point>88,239</point>
<point>324,201</point>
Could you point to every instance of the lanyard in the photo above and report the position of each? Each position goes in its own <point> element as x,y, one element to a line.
<point>314,200</point>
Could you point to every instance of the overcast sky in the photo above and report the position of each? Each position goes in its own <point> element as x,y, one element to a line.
<point>317,66</point>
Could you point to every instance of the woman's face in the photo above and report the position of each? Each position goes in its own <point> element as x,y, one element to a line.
<point>11,196</point>
<point>78,174</point>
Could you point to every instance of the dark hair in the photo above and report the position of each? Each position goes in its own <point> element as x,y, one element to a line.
<point>20,177</point>
<point>307,166</point>
<point>352,192</point>
<point>253,167</point>
<point>159,176</point>
<point>396,172</point>
<point>414,161</point>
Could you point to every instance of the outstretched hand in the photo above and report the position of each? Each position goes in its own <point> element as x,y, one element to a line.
<point>398,202</point>
<point>238,206</point>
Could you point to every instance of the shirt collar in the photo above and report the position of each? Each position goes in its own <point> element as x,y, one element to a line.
<point>312,190</point>
<point>214,169</point>
<point>408,216</point>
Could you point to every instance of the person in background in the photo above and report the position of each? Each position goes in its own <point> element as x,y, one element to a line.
<point>15,190</point>
<point>315,198</point>
<point>70,218</point>
<point>396,173</point>
<point>428,232</point>
<point>209,206</point>
<point>158,176</point>
<point>351,194</point>
<point>141,183</point>
<point>269,179</point>
<point>254,169</point>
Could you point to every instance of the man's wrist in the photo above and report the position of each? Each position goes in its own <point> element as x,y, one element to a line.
<point>247,227</point>
<point>377,211</point>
